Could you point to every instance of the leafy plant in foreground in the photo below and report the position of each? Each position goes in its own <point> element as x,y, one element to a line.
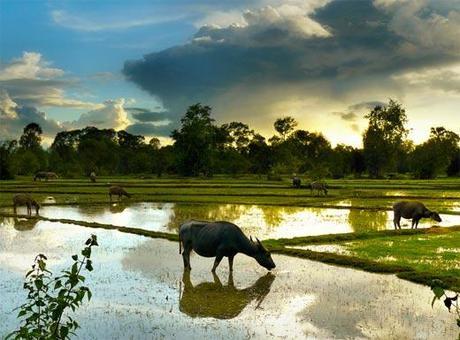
<point>48,298</point>
<point>450,302</point>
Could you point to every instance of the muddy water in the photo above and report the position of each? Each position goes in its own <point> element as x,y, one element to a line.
<point>258,220</point>
<point>139,291</point>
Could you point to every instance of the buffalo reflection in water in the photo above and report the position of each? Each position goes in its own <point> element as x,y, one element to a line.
<point>213,299</point>
<point>20,224</point>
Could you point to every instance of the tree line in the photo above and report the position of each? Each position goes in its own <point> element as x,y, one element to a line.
<point>203,148</point>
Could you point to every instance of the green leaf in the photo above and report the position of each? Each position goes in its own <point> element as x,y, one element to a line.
<point>75,257</point>
<point>38,284</point>
<point>89,265</point>
<point>74,269</point>
<point>58,284</point>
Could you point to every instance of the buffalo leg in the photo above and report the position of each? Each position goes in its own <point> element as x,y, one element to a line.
<point>216,262</point>
<point>15,210</point>
<point>230,262</point>
<point>186,257</point>
<point>396,221</point>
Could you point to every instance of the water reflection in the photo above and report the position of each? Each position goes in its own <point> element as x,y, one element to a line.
<point>20,224</point>
<point>257,220</point>
<point>366,220</point>
<point>306,300</point>
<point>213,299</point>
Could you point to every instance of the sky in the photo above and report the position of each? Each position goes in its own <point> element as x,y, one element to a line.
<point>137,65</point>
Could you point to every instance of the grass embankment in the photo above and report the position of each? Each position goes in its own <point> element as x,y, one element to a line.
<point>420,255</point>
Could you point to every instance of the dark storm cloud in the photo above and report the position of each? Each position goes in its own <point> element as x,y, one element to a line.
<point>365,106</point>
<point>144,115</point>
<point>343,47</point>
<point>149,129</point>
<point>347,116</point>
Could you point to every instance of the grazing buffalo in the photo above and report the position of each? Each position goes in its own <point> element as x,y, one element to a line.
<point>28,201</point>
<point>118,191</point>
<point>296,182</point>
<point>219,239</point>
<point>46,175</point>
<point>215,300</point>
<point>320,187</point>
<point>412,210</point>
<point>92,177</point>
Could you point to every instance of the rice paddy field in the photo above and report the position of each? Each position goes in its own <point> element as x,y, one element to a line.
<point>342,270</point>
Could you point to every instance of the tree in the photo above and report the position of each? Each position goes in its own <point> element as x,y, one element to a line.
<point>31,137</point>
<point>435,155</point>
<point>6,165</point>
<point>284,126</point>
<point>195,142</point>
<point>239,135</point>
<point>385,134</point>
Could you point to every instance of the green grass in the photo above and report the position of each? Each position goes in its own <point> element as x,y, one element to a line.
<point>416,255</point>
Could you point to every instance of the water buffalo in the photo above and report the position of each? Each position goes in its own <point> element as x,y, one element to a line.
<point>118,191</point>
<point>215,300</point>
<point>412,210</point>
<point>219,239</point>
<point>46,175</point>
<point>296,182</point>
<point>28,201</point>
<point>319,187</point>
<point>92,177</point>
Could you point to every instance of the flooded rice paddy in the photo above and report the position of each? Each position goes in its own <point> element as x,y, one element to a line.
<point>139,291</point>
<point>258,220</point>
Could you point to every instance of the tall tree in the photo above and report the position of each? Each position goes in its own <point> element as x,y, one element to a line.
<point>195,141</point>
<point>31,137</point>
<point>385,134</point>
<point>435,155</point>
<point>284,126</point>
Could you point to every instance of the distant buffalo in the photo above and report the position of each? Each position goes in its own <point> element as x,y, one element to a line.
<point>412,210</point>
<point>219,239</point>
<point>46,175</point>
<point>118,191</point>
<point>25,200</point>
<point>320,187</point>
<point>296,182</point>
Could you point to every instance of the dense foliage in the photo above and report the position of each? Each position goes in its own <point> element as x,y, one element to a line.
<point>203,148</point>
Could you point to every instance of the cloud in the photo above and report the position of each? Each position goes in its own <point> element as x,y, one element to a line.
<point>112,115</point>
<point>30,81</point>
<point>283,59</point>
<point>29,66</point>
<point>150,129</point>
<point>365,107</point>
<point>145,115</point>
<point>94,22</point>
<point>13,118</point>
<point>442,79</point>
<point>347,116</point>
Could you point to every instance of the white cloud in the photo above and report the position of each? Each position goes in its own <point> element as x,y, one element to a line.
<point>29,66</point>
<point>111,115</point>
<point>421,25</point>
<point>31,81</point>
<point>7,106</point>
<point>94,22</point>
